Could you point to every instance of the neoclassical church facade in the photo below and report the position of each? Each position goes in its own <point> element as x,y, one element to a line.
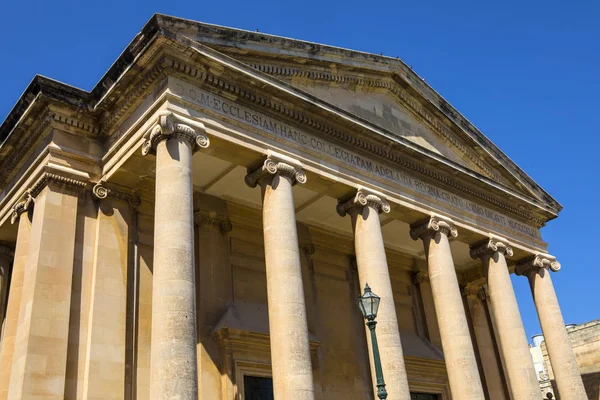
<point>201,223</point>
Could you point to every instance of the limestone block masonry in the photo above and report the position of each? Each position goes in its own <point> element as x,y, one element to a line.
<point>135,264</point>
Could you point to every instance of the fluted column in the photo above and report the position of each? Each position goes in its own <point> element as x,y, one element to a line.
<point>566,373</point>
<point>173,366</point>
<point>364,209</point>
<point>290,352</point>
<point>520,372</point>
<point>465,383</point>
<point>20,214</point>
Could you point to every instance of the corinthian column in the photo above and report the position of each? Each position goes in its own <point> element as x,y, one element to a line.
<point>290,352</point>
<point>174,367</point>
<point>520,372</point>
<point>465,383</point>
<point>566,373</point>
<point>20,213</point>
<point>364,209</point>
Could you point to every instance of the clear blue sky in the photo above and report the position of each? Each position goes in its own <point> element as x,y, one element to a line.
<point>524,72</point>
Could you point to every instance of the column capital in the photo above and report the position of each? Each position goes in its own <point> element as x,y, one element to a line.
<point>22,206</point>
<point>433,224</point>
<point>212,220</point>
<point>101,191</point>
<point>272,166</point>
<point>474,291</point>
<point>171,125</point>
<point>420,277</point>
<point>363,198</point>
<point>491,246</point>
<point>537,262</point>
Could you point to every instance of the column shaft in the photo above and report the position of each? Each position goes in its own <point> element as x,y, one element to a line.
<point>290,352</point>
<point>40,356</point>
<point>487,351</point>
<point>173,361</point>
<point>373,269</point>
<point>520,372</point>
<point>463,374</point>
<point>14,302</point>
<point>566,372</point>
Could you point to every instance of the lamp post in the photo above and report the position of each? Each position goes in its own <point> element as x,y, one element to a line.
<point>368,304</point>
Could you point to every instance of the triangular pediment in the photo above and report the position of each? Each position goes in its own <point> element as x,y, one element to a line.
<point>378,99</point>
<point>381,91</point>
<point>378,103</point>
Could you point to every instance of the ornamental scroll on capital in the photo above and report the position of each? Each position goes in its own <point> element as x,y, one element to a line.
<point>433,225</point>
<point>22,206</point>
<point>172,125</point>
<point>539,261</point>
<point>361,199</point>
<point>101,191</point>
<point>270,167</point>
<point>491,246</point>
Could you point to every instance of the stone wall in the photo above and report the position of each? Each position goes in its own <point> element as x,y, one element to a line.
<point>585,339</point>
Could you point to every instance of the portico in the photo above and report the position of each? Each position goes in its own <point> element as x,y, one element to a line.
<point>207,225</point>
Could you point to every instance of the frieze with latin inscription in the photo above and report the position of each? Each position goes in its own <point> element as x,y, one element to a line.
<point>282,130</point>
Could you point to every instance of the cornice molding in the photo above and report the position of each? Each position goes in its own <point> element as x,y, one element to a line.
<point>491,246</point>
<point>199,75</point>
<point>433,225</point>
<point>77,123</point>
<point>537,262</point>
<point>363,198</point>
<point>382,152</point>
<point>213,221</point>
<point>400,94</point>
<point>171,125</point>
<point>17,153</point>
<point>50,178</point>
<point>272,166</point>
<point>102,191</point>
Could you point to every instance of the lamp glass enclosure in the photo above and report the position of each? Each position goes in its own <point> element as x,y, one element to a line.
<point>369,303</point>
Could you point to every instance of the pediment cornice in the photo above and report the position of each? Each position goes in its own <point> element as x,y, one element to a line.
<point>173,54</point>
<point>357,137</point>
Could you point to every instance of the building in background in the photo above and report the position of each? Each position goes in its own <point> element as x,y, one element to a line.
<point>585,341</point>
<point>200,224</point>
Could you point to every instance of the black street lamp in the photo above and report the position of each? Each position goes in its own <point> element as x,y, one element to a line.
<point>368,304</point>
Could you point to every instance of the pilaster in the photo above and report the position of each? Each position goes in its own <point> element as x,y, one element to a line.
<point>39,359</point>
